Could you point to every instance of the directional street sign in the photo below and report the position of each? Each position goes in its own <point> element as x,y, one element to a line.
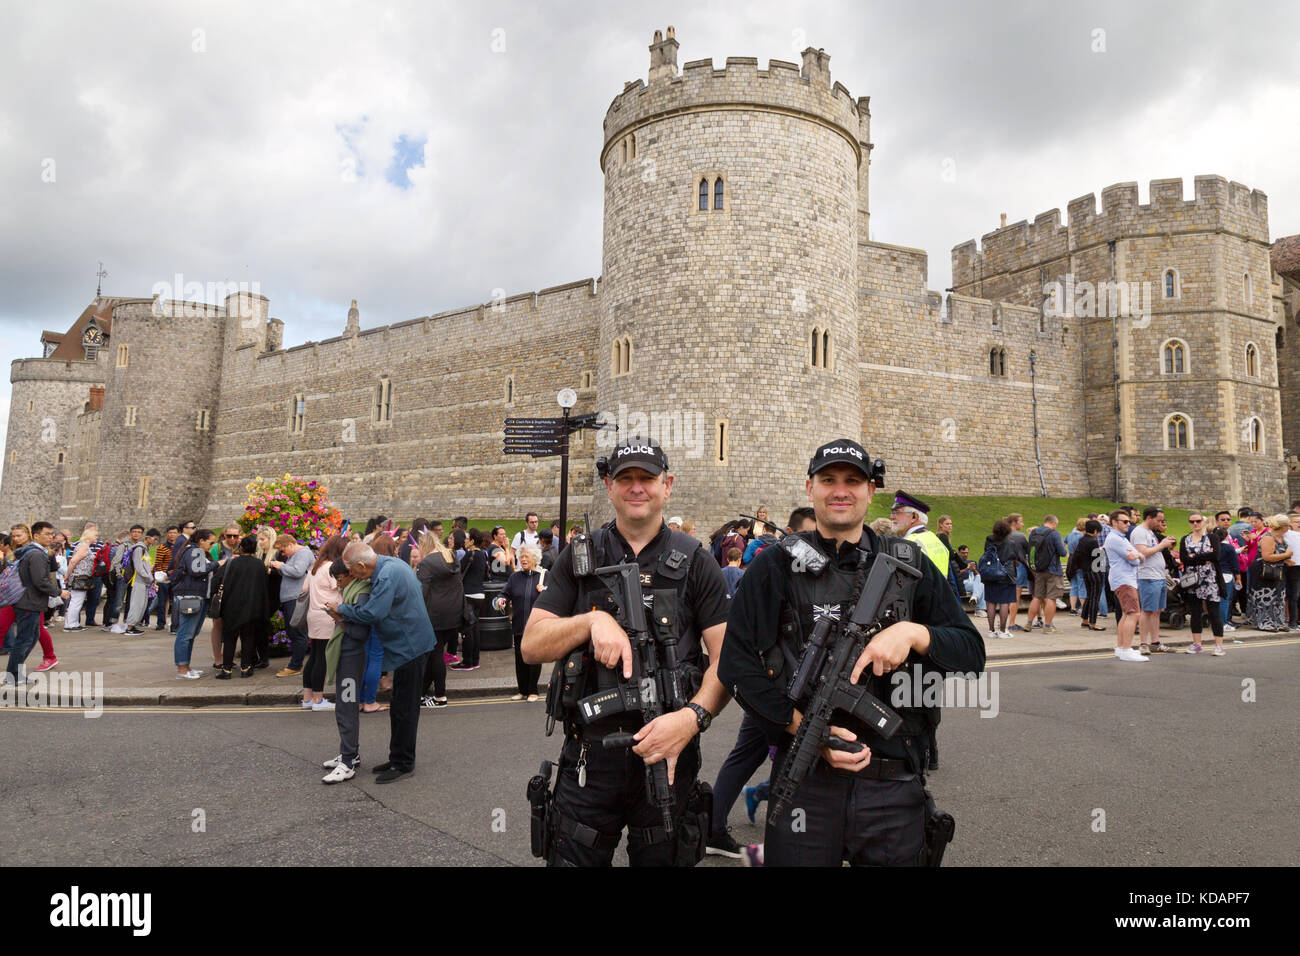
<point>530,450</point>
<point>553,422</point>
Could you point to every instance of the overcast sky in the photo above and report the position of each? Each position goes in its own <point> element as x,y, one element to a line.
<point>417,156</point>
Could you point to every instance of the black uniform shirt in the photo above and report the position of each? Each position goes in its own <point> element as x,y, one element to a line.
<point>706,590</point>
<point>955,644</point>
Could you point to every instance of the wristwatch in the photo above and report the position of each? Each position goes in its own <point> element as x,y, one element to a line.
<point>702,717</point>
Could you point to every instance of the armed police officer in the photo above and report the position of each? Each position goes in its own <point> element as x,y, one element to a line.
<point>600,690</point>
<point>870,806</point>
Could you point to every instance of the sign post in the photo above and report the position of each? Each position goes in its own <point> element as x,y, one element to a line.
<point>544,437</point>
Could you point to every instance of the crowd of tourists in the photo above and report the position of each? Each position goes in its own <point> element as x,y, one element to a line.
<point>1223,572</point>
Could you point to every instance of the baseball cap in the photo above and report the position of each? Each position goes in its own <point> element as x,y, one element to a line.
<point>675,519</point>
<point>840,451</point>
<point>638,453</point>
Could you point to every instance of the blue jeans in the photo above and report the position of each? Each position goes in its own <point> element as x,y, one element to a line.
<point>1077,588</point>
<point>186,630</point>
<point>28,624</point>
<point>92,598</point>
<point>374,667</point>
<point>975,586</point>
<point>160,604</point>
<point>1225,606</point>
<point>297,637</point>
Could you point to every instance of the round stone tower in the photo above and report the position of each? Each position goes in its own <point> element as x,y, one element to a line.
<point>728,319</point>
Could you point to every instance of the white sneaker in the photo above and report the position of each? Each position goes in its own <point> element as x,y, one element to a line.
<point>332,762</point>
<point>190,674</point>
<point>1128,654</point>
<point>1005,635</point>
<point>1228,627</point>
<point>1218,652</point>
<point>323,705</point>
<point>117,629</point>
<point>340,773</point>
<point>306,705</point>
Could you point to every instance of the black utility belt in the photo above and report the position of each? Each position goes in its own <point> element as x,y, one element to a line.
<point>880,768</point>
<point>594,734</point>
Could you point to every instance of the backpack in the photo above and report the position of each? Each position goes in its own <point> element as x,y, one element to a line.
<point>991,568</point>
<point>11,586</point>
<point>103,560</point>
<point>1040,556</point>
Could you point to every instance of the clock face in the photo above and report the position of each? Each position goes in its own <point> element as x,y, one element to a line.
<point>93,336</point>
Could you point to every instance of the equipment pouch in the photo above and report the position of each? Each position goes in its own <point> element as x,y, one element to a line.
<point>540,802</point>
<point>575,667</point>
<point>693,831</point>
<point>939,829</point>
<point>554,687</point>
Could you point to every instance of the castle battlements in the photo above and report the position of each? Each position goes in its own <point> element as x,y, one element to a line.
<point>55,370</point>
<point>1217,205</point>
<point>523,302</point>
<point>782,87</point>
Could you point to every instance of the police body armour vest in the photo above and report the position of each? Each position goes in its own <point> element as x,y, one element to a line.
<point>829,593</point>
<point>667,611</point>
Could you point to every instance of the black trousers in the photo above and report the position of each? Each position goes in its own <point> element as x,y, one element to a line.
<point>313,672</point>
<point>835,817</point>
<point>435,668</point>
<point>1199,609</point>
<point>526,675</point>
<point>404,711</point>
<point>1094,583</point>
<point>246,636</point>
<point>615,797</point>
<point>747,755</point>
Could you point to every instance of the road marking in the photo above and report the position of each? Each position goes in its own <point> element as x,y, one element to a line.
<point>1110,655</point>
<point>218,711</point>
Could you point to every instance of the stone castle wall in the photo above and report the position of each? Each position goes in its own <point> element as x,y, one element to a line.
<point>46,396</point>
<point>933,410</point>
<point>720,305</point>
<point>1286,313</point>
<point>718,309</point>
<point>1211,242</point>
<point>172,372</point>
<point>441,452</point>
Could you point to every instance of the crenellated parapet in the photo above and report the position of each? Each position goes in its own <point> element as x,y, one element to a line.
<point>1217,206</point>
<point>804,90</point>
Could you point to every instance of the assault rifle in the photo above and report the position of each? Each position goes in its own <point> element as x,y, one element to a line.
<point>655,688</point>
<point>825,666</point>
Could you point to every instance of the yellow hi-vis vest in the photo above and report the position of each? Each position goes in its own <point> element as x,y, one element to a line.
<point>932,545</point>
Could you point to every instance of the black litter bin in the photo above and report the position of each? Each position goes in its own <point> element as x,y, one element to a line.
<point>493,625</point>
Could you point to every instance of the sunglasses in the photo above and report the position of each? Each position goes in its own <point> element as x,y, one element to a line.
<point>1195,520</point>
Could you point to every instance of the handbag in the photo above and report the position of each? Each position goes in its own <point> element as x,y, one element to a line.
<point>468,616</point>
<point>1187,579</point>
<point>189,606</point>
<point>80,582</point>
<point>299,617</point>
<point>214,609</point>
<point>1271,572</point>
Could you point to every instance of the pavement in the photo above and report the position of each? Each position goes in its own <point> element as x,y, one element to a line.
<point>138,671</point>
<point>1184,761</point>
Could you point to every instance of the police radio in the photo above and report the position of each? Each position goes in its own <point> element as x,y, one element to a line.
<point>584,562</point>
<point>602,467</point>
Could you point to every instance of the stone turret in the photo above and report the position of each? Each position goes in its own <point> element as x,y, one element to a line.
<point>691,335</point>
<point>354,320</point>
